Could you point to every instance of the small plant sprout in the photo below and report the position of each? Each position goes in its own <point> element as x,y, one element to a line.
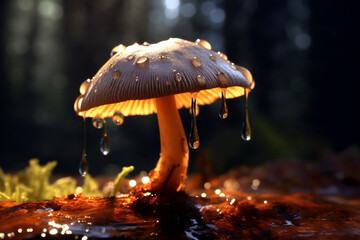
<point>125,171</point>
<point>162,78</point>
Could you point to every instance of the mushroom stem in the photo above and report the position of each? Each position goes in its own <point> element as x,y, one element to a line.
<point>170,171</point>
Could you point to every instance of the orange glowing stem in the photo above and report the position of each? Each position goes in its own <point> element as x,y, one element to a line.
<point>170,171</point>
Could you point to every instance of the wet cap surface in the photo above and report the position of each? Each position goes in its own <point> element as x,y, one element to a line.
<point>137,74</point>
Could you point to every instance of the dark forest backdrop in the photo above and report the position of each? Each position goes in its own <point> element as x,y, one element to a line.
<point>302,54</point>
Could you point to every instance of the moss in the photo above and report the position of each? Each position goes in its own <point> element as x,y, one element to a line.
<point>32,184</point>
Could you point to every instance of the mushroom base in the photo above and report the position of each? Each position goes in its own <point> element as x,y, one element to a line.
<point>170,171</point>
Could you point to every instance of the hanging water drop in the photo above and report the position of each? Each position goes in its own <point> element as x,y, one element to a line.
<point>194,135</point>
<point>246,130</point>
<point>83,165</point>
<point>118,118</point>
<point>223,112</point>
<point>105,142</point>
<point>98,123</point>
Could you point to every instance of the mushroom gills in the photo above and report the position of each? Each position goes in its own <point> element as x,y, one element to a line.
<point>105,142</point>
<point>246,130</point>
<point>223,112</point>
<point>84,165</point>
<point>194,135</point>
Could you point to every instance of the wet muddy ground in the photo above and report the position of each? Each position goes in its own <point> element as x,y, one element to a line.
<point>279,200</point>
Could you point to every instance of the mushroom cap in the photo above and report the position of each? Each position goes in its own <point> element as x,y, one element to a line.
<point>132,78</point>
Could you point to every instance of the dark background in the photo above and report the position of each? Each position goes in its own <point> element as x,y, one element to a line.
<point>303,56</point>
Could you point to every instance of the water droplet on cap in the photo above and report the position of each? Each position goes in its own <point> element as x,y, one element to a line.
<point>223,81</point>
<point>196,62</point>
<point>118,49</point>
<point>142,61</point>
<point>98,123</point>
<point>247,75</point>
<point>162,57</point>
<point>178,76</point>
<point>222,55</point>
<point>205,44</point>
<point>201,81</point>
<point>77,103</point>
<point>130,57</point>
<point>232,65</point>
<point>116,75</point>
<point>118,118</point>
<point>212,57</point>
<point>84,86</point>
<point>146,44</point>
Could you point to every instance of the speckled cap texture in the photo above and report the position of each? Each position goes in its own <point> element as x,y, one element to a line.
<point>135,75</point>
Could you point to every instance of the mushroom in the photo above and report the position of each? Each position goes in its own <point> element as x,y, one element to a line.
<point>162,78</point>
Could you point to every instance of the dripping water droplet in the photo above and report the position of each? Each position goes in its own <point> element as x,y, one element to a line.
<point>83,165</point>
<point>212,57</point>
<point>118,49</point>
<point>194,135</point>
<point>116,75</point>
<point>196,62</point>
<point>118,118</point>
<point>98,123</point>
<point>84,86</point>
<point>105,142</point>
<point>246,130</point>
<point>142,61</point>
<point>205,44</point>
<point>223,112</point>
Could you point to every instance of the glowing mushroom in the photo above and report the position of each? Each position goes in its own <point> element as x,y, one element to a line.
<point>162,78</point>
